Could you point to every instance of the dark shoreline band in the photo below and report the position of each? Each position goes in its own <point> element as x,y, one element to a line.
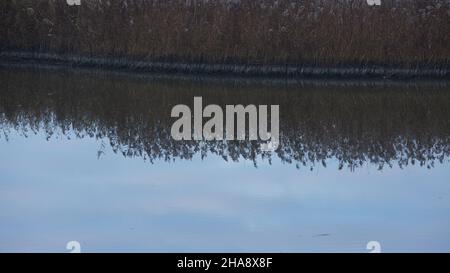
<point>276,71</point>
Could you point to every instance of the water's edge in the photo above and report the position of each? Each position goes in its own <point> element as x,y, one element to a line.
<point>276,71</point>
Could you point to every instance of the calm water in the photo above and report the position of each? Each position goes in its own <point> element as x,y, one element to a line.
<point>88,156</point>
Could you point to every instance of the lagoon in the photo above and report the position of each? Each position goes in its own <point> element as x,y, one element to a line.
<point>88,156</point>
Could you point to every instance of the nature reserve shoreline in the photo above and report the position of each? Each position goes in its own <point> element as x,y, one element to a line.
<point>206,69</point>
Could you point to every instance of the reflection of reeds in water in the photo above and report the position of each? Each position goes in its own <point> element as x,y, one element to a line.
<point>317,33</point>
<point>378,125</point>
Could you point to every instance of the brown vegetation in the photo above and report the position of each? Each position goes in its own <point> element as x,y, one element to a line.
<point>402,33</point>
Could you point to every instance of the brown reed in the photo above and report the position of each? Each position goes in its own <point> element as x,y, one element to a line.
<point>402,33</point>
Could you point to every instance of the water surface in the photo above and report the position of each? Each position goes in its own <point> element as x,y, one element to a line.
<point>88,156</point>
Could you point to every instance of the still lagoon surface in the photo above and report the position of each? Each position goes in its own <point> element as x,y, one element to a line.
<point>87,156</point>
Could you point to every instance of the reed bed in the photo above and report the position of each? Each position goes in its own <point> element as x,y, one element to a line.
<point>319,33</point>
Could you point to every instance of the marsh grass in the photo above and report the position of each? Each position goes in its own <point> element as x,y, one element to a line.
<point>400,33</point>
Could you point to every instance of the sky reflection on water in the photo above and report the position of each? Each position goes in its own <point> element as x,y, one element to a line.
<point>54,189</point>
<point>57,191</point>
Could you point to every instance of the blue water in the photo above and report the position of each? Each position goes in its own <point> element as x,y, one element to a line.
<point>358,162</point>
<point>56,191</point>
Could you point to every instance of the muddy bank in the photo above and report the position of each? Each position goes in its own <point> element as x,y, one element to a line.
<point>275,71</point>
